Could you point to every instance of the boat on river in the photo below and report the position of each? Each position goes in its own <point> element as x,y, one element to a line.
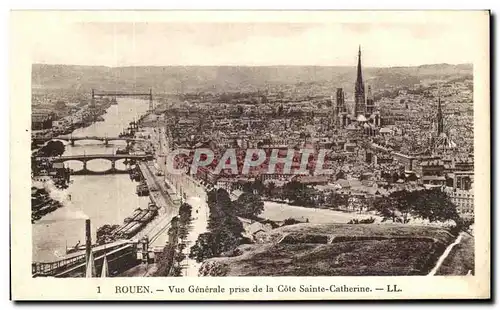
<point>118,116</point>
<point>135,174</point>
<point>132,230</point>
<point>139,217</point>
<point>142,189</point>
<point>152,206</point>
<point>129,219</point>
<point>148,216</point>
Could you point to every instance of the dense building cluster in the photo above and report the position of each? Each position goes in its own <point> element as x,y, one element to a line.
<point>50,118</point>
<point>379,141</point>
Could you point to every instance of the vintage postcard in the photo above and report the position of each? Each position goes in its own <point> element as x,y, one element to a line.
<point>250,155</point>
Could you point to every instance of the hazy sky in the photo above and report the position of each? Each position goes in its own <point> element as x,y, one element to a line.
<point>128,44</point>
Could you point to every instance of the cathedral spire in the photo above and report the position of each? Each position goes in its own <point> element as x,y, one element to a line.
<point>359,89</point>
<point>359,76</point>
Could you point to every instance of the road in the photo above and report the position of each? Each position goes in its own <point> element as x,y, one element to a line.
<point>199,224</point>
<point>167,209</point>
<point>196,196</point>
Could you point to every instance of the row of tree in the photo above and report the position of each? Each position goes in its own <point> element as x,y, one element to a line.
<point>297,194</point>
<point>430,204</point>
<point>433,204</point>
<point>225,230</point>
<point>169,261</point>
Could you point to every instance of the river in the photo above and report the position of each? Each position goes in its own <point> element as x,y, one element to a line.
<point>105,199</point>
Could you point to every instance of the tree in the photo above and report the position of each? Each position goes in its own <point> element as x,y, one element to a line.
<point>226,241</point>
<point>247,187</point>
<point>270,189</point>
<point>203,247</point>
<point>337,200</point>
<point>462,224</point>
<point>219,198</point>
<point>434,205</point>
<point>258,186</point>
<point>249,205</point>
<point>215,218</point>
<point>291,190</point>
<point>223,200</point>
<point>165,261</point>
<point>404,203</point>
<point>431,204</point>
<point>185,213</point>
<point>386,207</point>
<point>211,197</point>
<point>225,229</point>
<point>290,221</point>
<point>380,205</point>
<point>52,148</point>
<point>231,224</point>
<point>223,215</point>
<point>300,194</point>
<point>212,244</point>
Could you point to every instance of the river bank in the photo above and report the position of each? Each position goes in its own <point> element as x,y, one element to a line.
<point>105,199</point>
<point>81,119</point>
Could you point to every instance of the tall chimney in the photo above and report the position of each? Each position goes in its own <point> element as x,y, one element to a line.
<point>88,240</point>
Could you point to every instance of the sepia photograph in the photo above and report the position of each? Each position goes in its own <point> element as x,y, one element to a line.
<point>282,148</point>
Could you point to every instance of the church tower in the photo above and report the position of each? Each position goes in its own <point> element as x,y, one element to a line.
<point>359,90</point>
<point>440,125</point>
<point>340,109</point>
<point>370,105</point>
<point>340,103</point>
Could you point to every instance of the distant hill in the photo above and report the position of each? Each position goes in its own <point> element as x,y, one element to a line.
<point>173,79</point>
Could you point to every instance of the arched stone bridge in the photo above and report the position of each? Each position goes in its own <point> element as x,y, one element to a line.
<point>111,157</point>
<point>106,140</point>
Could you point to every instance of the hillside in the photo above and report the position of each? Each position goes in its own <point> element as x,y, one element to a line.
<point>461,258</point>
<point>336,250</point>
<point>173,79</point>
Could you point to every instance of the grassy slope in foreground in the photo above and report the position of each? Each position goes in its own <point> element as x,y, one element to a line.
<point>461,258</point>
<point>337,250</point>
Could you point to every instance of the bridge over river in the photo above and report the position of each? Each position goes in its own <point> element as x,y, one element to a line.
<point>123,253</point>
<point>71,139</point>
<point>113,158</point>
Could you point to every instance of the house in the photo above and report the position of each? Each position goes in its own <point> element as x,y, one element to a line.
<point>41,120</point>
<point>463,199</point>
<point>313,179</point>
<point>255,230</point>
<point>433,180</point>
